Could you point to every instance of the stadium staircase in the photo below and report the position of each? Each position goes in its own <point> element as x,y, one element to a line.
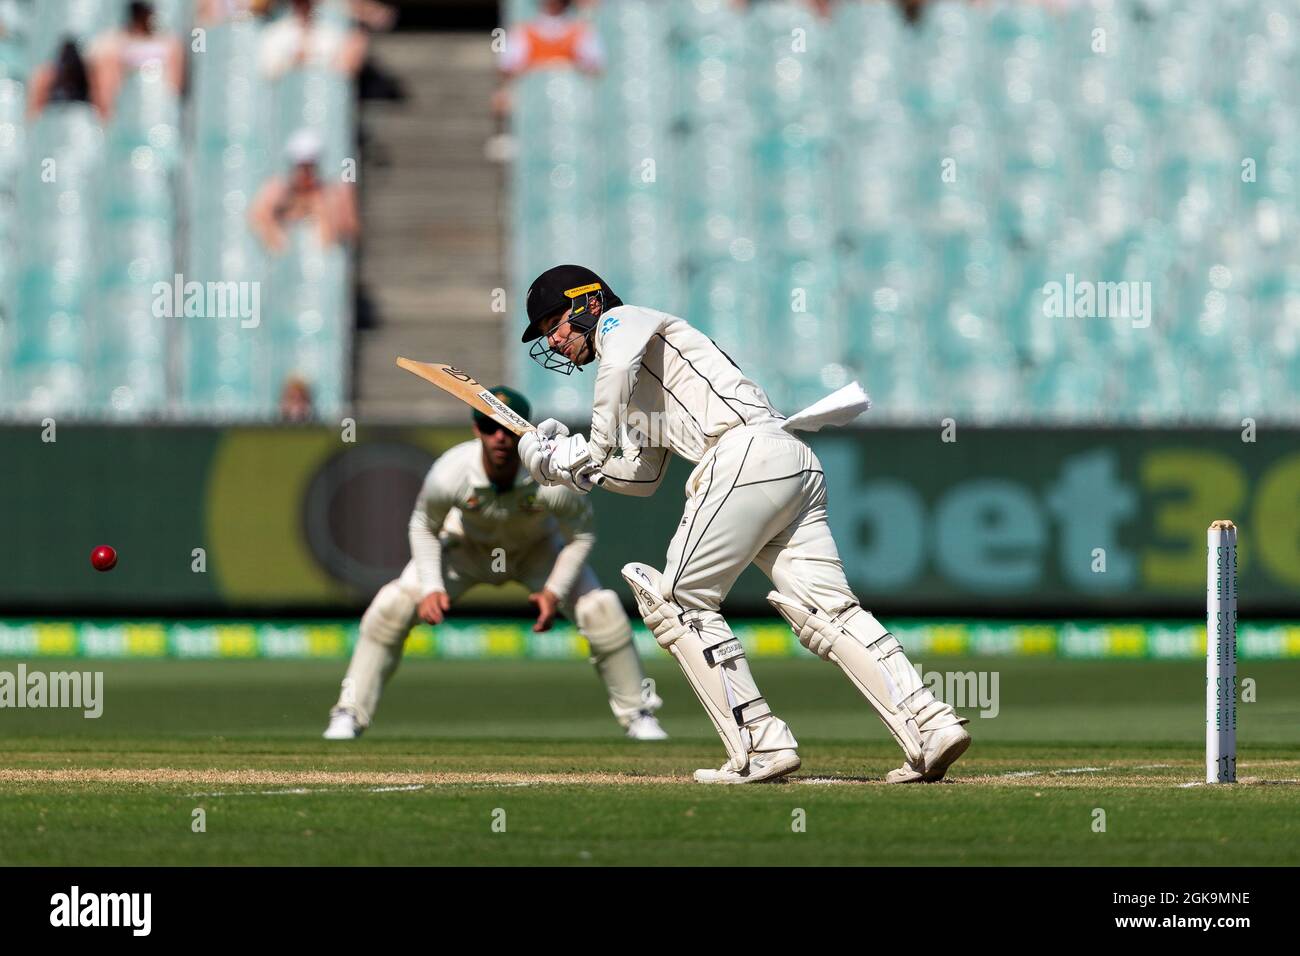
<point>431,251</point>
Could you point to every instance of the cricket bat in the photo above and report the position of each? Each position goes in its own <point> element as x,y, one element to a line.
<point>451,379</point>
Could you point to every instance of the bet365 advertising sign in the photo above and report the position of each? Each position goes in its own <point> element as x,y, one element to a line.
<point>1051,521</point>
<point>1087,518</point>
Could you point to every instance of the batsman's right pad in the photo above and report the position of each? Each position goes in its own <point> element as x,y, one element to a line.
<point>719,674</point>
<point>662,617</point>
<point>874,661</point>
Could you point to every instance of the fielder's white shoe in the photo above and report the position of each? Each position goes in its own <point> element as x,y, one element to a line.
<point>941,748</point>
<point>645,727</point>
<point>762,767</point>
<point>343,726</point>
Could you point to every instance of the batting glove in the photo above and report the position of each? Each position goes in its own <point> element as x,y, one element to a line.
<point>569,453</point>
<point>535,452</point>
<point>583,480</point>
<point>552,428</point>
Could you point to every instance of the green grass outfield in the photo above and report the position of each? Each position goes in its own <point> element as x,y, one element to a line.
<point>458,745</point>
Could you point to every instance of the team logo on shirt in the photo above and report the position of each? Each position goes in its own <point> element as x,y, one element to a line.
<point>530,504</point>
<point>610,323</point>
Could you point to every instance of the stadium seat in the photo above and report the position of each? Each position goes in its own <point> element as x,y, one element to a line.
<point>928,180</point>
<point>49,349</point>
<point>81,325</point>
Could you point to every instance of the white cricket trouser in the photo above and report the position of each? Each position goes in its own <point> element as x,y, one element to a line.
<point>464,565</point>
<point>758,496</point>
<point>377,655</point>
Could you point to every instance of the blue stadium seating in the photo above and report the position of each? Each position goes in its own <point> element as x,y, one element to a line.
<point>163,189</point>
<point>869,198</point>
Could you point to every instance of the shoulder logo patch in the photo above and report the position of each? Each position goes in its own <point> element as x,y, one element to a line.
<point>608,325</point>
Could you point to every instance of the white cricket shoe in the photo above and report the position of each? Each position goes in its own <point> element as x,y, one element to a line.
<point>644,726</point>
<point>762,767</point>
<point>941,748</point>
<point>343,726</point>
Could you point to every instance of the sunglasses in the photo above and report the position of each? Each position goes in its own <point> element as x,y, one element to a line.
<point>489,426</point>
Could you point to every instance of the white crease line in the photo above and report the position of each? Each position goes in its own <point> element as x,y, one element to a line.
<point>1248,781</point>
<point>487,786</point>
<point>1038,773</point>
<point>296,791</point>
<point>1035,773</point>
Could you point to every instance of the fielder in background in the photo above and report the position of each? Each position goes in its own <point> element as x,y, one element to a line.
<point>480,519</point>
<point>758,494</point>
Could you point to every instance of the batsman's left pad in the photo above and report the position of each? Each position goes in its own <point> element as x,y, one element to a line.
<point>874,660</point>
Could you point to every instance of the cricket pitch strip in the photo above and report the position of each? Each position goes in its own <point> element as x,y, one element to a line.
<point>1136,774</point>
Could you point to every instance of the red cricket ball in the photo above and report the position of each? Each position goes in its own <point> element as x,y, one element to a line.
<point>104,558</point>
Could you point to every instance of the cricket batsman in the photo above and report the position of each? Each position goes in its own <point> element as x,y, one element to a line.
<point>479,519</point>
<point>757,494</point>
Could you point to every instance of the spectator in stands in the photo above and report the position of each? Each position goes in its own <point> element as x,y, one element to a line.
<point>296,403</point>
<point>552,40</point>
<point>370,14</point>
<point>66,80</point>
<point>912,10</point>
<point>301,39</point>
<point>214,12</point>
<point>373,15</point>
<point>140,46</point>
<point>302,196</point>
<point>822,8</point>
